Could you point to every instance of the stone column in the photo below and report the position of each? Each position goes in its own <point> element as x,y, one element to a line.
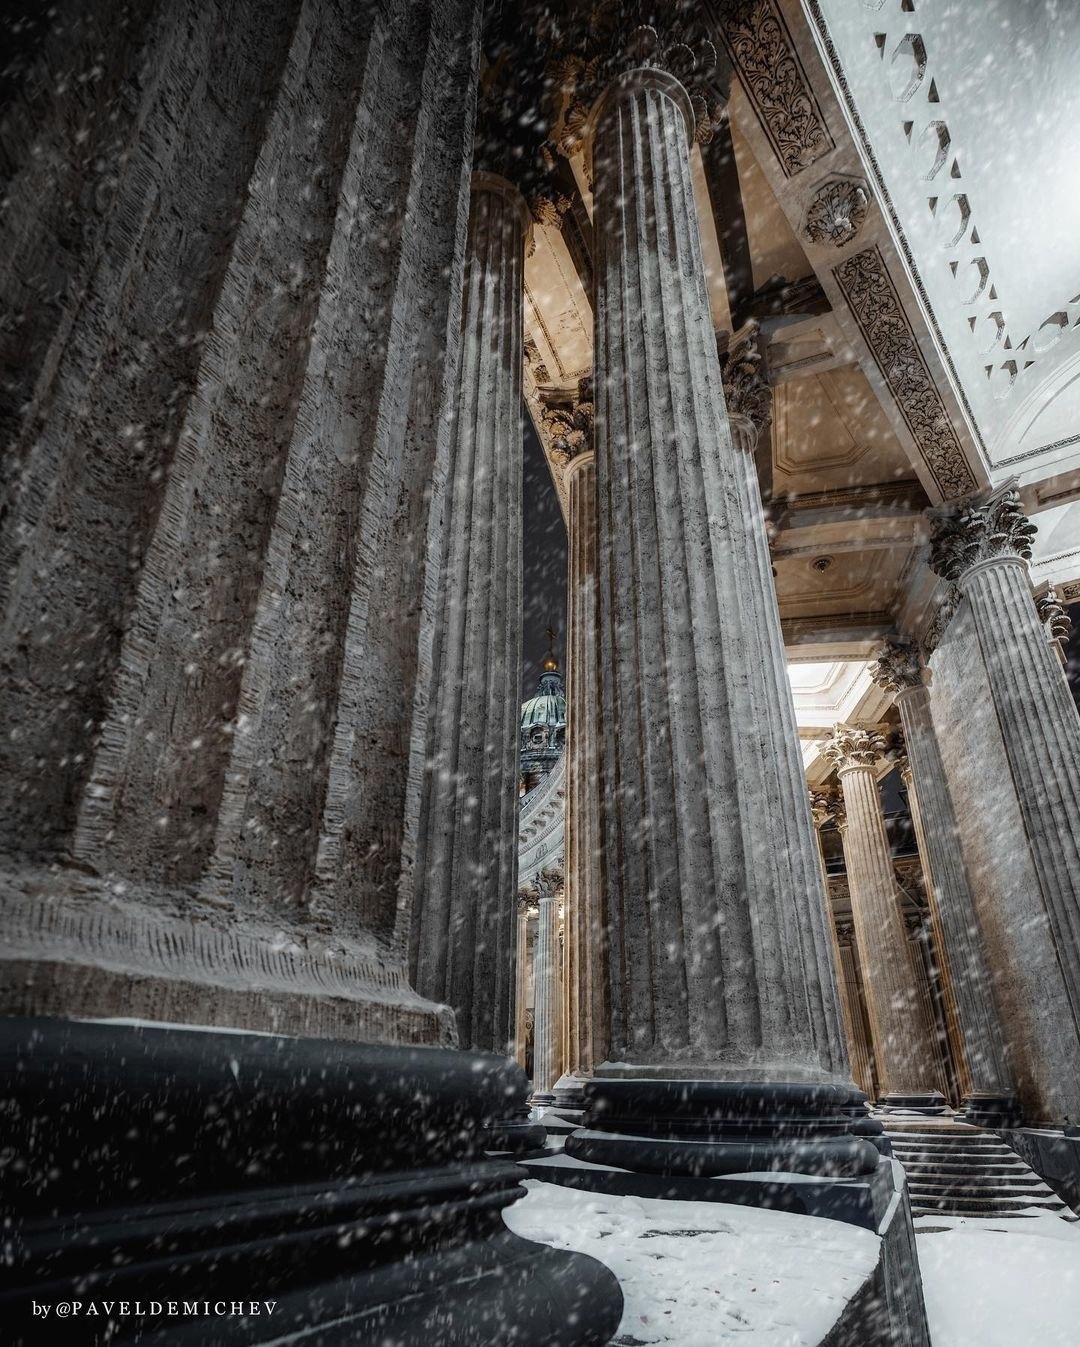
<point>823,807</point>
<point>899,1029</point>
<point>859,1045</point>
<point>719,949</point>
<point>463,926</point>
<point>217,641</point>
<point>900,670</point>
<point>525,899</point>
<point>1020,784</point>
<point>585,1005</point>
<point>546,994</point>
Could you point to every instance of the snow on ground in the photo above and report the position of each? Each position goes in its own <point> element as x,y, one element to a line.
<point>1002,1284</point>
<point>693,1273</point>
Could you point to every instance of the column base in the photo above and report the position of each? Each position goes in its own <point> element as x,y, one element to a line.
<point>344,1185</point>
<point>570,1097</point>
<point>991,1110</point>
<point>930,1102</point>
<point>696,1128</point>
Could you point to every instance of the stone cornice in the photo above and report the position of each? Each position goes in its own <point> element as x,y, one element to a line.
<point>991,527</point>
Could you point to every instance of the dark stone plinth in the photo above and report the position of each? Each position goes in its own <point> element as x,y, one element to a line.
<point>347,1183</point>
<point>991,1110</point>
<point>516,1135</point>
<point>670,1127</point>
<point>929,1102</point>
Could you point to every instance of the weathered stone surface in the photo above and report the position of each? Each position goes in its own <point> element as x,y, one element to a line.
<point>952,906</point>
<point>463,923</point>
<point>719,955</point>
<point>1010,741</point>
<point>586,1018</point>
<point>221,590</point>
<point>898,1024</point>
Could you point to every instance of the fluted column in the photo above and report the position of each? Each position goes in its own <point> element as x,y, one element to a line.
<point>899,670</point>
<point>719,953</point>
<point>898,1024</point>
<point>585,1027</point>
<point>521,970</point>
<point>218,594</point>
<point>546,995</point>
<point>1031,726</point>
<point>467,858</point>
<point>859,1044</point>
<point>823,807</point>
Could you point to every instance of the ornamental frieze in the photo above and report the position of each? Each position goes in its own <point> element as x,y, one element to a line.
<point>875,306</point>
<point>763,54</point>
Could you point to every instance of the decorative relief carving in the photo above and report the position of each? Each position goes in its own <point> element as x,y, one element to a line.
<point>568,425</point>
<point>875,305</point>
<point>764,55</point>
<point>979,530</point>
<point>837,212</point>
<point>898,667</point>
<point>1053,616</point>
<point>853,747</point>
<point>592,46</point>
<point>826,806</point>
<point>746,392</point>
<point>939,623</point>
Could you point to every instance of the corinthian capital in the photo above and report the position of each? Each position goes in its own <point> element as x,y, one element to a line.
<point>853,747</point>
<point>549,882</point>
<point>567,423</point>
<point>1053,616</point>
<point>826,806</point>
<point>982,529</point>
<point>591,45</point>
<point>898,667</point>
<point>746,392</point>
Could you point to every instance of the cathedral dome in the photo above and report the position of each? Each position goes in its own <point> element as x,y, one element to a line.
<point>548,706</point>
<point>542,732</point>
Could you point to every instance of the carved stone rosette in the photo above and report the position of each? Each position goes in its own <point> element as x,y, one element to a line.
<point>985,529</point>
<point>837,212</point>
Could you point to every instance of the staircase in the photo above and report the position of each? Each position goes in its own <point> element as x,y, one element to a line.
<point>954,1169</point>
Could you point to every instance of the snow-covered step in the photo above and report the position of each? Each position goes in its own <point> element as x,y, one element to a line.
<point>954,1169</point>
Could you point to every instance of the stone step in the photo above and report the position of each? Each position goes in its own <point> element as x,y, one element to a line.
<point>969,1206</point>
<point>920,1182</point>
<point>983,1192</point>
<point>947,1152</point>
<point>1005,1169</point>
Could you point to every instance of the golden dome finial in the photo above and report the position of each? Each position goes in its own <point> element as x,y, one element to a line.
<point>550,662</point>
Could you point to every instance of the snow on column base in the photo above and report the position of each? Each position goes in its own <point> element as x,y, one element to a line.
<point>345,1184</point>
